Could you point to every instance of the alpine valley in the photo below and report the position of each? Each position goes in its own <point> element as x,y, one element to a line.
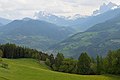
<point>33,33</point>
<point>95,34</point>
<point>59,40</point>
<point>96,40</point>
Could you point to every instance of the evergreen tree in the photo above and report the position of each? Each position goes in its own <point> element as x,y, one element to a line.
<point>99,64</point>
<point>116,62</point>
<point>58,60</point>
<point>109,66</point>
<point>84,64</point>
<point>52,61</point>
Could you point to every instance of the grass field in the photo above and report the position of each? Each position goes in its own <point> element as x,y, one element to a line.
<point>29,69</point>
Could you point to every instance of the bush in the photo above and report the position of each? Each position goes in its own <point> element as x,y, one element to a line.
<point>47,62</point>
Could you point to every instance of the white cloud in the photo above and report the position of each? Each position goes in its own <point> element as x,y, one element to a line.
<point>13,9</point>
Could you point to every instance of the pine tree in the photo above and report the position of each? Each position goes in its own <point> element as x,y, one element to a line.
<point>98,65</point>
<point>52,61</point>
<point>84,63</point>
<point>58,60</point>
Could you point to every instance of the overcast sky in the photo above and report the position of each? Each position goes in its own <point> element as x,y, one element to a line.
<point>14,9</point>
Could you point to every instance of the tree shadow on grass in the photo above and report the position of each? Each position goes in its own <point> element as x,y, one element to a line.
<point>113,77</point>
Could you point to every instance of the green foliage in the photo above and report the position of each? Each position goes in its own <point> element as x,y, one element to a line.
<point>13,51</point>
<point>87,65</point>
<point>68,65</point>
<point>93,69</point>
<point>54,67</point>
<point>112,62</point>
<point>84,63</point>
<point>47,62</point>
<point>1,53</point>
<point>52,60</point>
<point>58,60</point>
<point>99,64</point>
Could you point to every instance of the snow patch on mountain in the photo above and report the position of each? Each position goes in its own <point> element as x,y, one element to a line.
<point>104,8</point>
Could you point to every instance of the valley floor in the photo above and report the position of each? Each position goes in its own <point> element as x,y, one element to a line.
<point>29,69</point>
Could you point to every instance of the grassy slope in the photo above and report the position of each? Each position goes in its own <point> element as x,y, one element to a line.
<point>29,69</point>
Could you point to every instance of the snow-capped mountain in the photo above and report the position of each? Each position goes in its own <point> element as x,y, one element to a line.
<point>75,17</point>
<point>59,20</point>
<point>43,15</point>
<point>52,18</point>
<point>47,15</point>
<point>104,8</point>
<point>78,22</point>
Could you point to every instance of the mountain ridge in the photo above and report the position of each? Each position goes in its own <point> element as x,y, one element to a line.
<point>4,21</point>
<point>81,24</point>
<point>35,33</point>
<point>99,38</point>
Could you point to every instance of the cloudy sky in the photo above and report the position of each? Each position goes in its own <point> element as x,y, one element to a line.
<point>15,9</point>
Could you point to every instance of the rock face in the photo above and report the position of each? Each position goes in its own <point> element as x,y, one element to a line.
<point>105,7</point>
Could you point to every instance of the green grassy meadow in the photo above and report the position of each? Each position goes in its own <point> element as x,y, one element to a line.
<point>29,69</point>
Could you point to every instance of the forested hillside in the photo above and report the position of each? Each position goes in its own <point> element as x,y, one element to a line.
<point>33,33</point>
<point>96,40</point>
<point>12,51</point>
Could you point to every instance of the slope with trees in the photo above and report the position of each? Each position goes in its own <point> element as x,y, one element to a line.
<point>96,40</point>
<point>33,33</point>
<point>86,65</point>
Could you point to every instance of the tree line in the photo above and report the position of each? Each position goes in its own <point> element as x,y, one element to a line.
<point>85,64</point>
<point>12,51</point>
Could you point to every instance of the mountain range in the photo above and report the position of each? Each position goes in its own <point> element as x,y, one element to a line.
<point>33,33</point>
<point>81,23</point>
<point>96,40</point>
<point>71,36</point>
<point>105,7</point>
